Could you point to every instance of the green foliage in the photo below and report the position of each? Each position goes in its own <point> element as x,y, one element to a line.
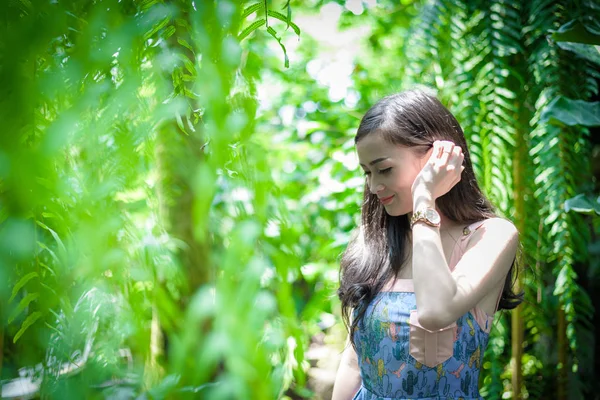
<point>133,173</point>
<point>583,204</point>
<point>263,7</point>
<point>173,204</point>
<point>569,112</point>
<point>493,64</point>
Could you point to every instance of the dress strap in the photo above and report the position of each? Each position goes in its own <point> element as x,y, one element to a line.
<point>461,244</point>
<point>468,230</point>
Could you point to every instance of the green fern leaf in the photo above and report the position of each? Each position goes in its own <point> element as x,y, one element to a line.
<point>289,13</point>
<point>47,268</point>
<point>22,305</point>
<point>254,26</point>
<point>26,324</point>
<point>168,32</point>
<point>252,8</point>
<point>274,34</point>
<point>157,28</point>
<point>22,282</point>
<point>185,44</point>
<point>52,254</point>
<point>281,17</point>
<point>61,246</point>
<point>587,51</point>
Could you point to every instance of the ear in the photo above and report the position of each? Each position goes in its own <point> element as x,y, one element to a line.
<point>423,160</point>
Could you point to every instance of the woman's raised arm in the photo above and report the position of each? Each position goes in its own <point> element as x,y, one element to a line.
<point>347,380</point>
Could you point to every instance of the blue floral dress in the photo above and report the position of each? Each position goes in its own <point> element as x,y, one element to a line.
<point>399,359</point>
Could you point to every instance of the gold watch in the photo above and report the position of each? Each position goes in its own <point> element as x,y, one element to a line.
<point>428,215</point>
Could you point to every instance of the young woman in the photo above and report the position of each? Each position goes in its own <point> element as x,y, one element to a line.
<point>430,265</point>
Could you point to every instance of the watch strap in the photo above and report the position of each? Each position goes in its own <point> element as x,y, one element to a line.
<point>421,216</point>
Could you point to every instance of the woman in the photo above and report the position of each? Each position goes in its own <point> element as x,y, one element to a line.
<point>430,265</point>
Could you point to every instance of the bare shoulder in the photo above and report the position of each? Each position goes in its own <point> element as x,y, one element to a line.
<point>495,232</point>
<point>500,226</point>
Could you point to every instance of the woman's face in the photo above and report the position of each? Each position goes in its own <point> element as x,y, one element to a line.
<point>391,170</point>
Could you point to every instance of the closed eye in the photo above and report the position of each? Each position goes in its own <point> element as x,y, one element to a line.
<point>381,171</point>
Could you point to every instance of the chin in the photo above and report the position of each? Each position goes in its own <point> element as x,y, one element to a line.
<point>396,212</point>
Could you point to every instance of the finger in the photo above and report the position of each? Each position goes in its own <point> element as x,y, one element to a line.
<point>435,153</point>
<point>459,176</point>
<point>446,144</point>
<point>447,151</point>
<point>456,159</point>
<point>430,152</point>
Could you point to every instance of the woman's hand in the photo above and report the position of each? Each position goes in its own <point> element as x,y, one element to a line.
<point>441,172</point>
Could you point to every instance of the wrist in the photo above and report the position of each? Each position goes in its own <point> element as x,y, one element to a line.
<point>420,185</point>
<point>422,205</point>
<point>428,215</point>
<point>422,197</point>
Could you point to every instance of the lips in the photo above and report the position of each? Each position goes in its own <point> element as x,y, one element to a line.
<point>386,200</point>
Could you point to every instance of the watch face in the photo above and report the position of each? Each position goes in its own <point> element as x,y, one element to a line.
<point>432,216</point>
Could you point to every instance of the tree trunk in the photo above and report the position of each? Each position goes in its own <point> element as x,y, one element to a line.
<point>520,189</point>
<point>517,352</point>
<point>1,341</point>
<point>153,371</point>
<point>178,153</point>
<point>561,392</point>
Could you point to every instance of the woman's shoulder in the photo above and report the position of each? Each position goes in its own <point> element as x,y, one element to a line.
<point>496,223</point>
<point>495,228</point>
<point>500,223</point>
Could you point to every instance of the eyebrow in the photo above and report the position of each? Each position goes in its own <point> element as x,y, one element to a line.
<point>376,161</point>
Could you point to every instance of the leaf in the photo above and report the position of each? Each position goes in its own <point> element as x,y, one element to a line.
<point>48,288</point>
<point>587,51</point>
<point>30,320</point>
<point>574,31</point>
<point>180,122</point>
<point>165,387</point>
<point>164,22</point>
<point>27,6</point>
<point>254,26</point>
<point>47,268</point>
<point>274,34</point>
<point>185,44</point>
<point>61,246</point>
<point>572,112</point>
<point>280,16</point>
<point>22,282</point>
<point>52,254</point>
<point>582,204</point>
<point>289,14</point>
<point>168,32</point>
<point>266,10</point>
<point>252,8</point>
<point>22,305</point>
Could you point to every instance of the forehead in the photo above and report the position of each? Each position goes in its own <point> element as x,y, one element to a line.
<point>374,146</point>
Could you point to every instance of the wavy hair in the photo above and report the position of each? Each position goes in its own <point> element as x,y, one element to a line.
<point>375,254</point>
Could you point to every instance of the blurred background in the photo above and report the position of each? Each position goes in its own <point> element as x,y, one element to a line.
<point>178,181</point>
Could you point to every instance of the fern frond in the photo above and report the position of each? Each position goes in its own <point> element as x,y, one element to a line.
<point>272,32</point>
<point>251,28</point>
<point>30,320</point>
<point>283,18</point>
<point>251,9</point>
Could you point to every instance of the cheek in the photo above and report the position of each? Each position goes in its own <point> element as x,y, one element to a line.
<point>403,180</point>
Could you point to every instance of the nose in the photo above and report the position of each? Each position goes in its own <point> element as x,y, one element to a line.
<point>375,187</point>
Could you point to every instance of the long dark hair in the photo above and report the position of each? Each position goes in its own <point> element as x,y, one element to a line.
<point>378,249</point>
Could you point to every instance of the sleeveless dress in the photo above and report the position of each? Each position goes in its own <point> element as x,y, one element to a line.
<point>399,359</point>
